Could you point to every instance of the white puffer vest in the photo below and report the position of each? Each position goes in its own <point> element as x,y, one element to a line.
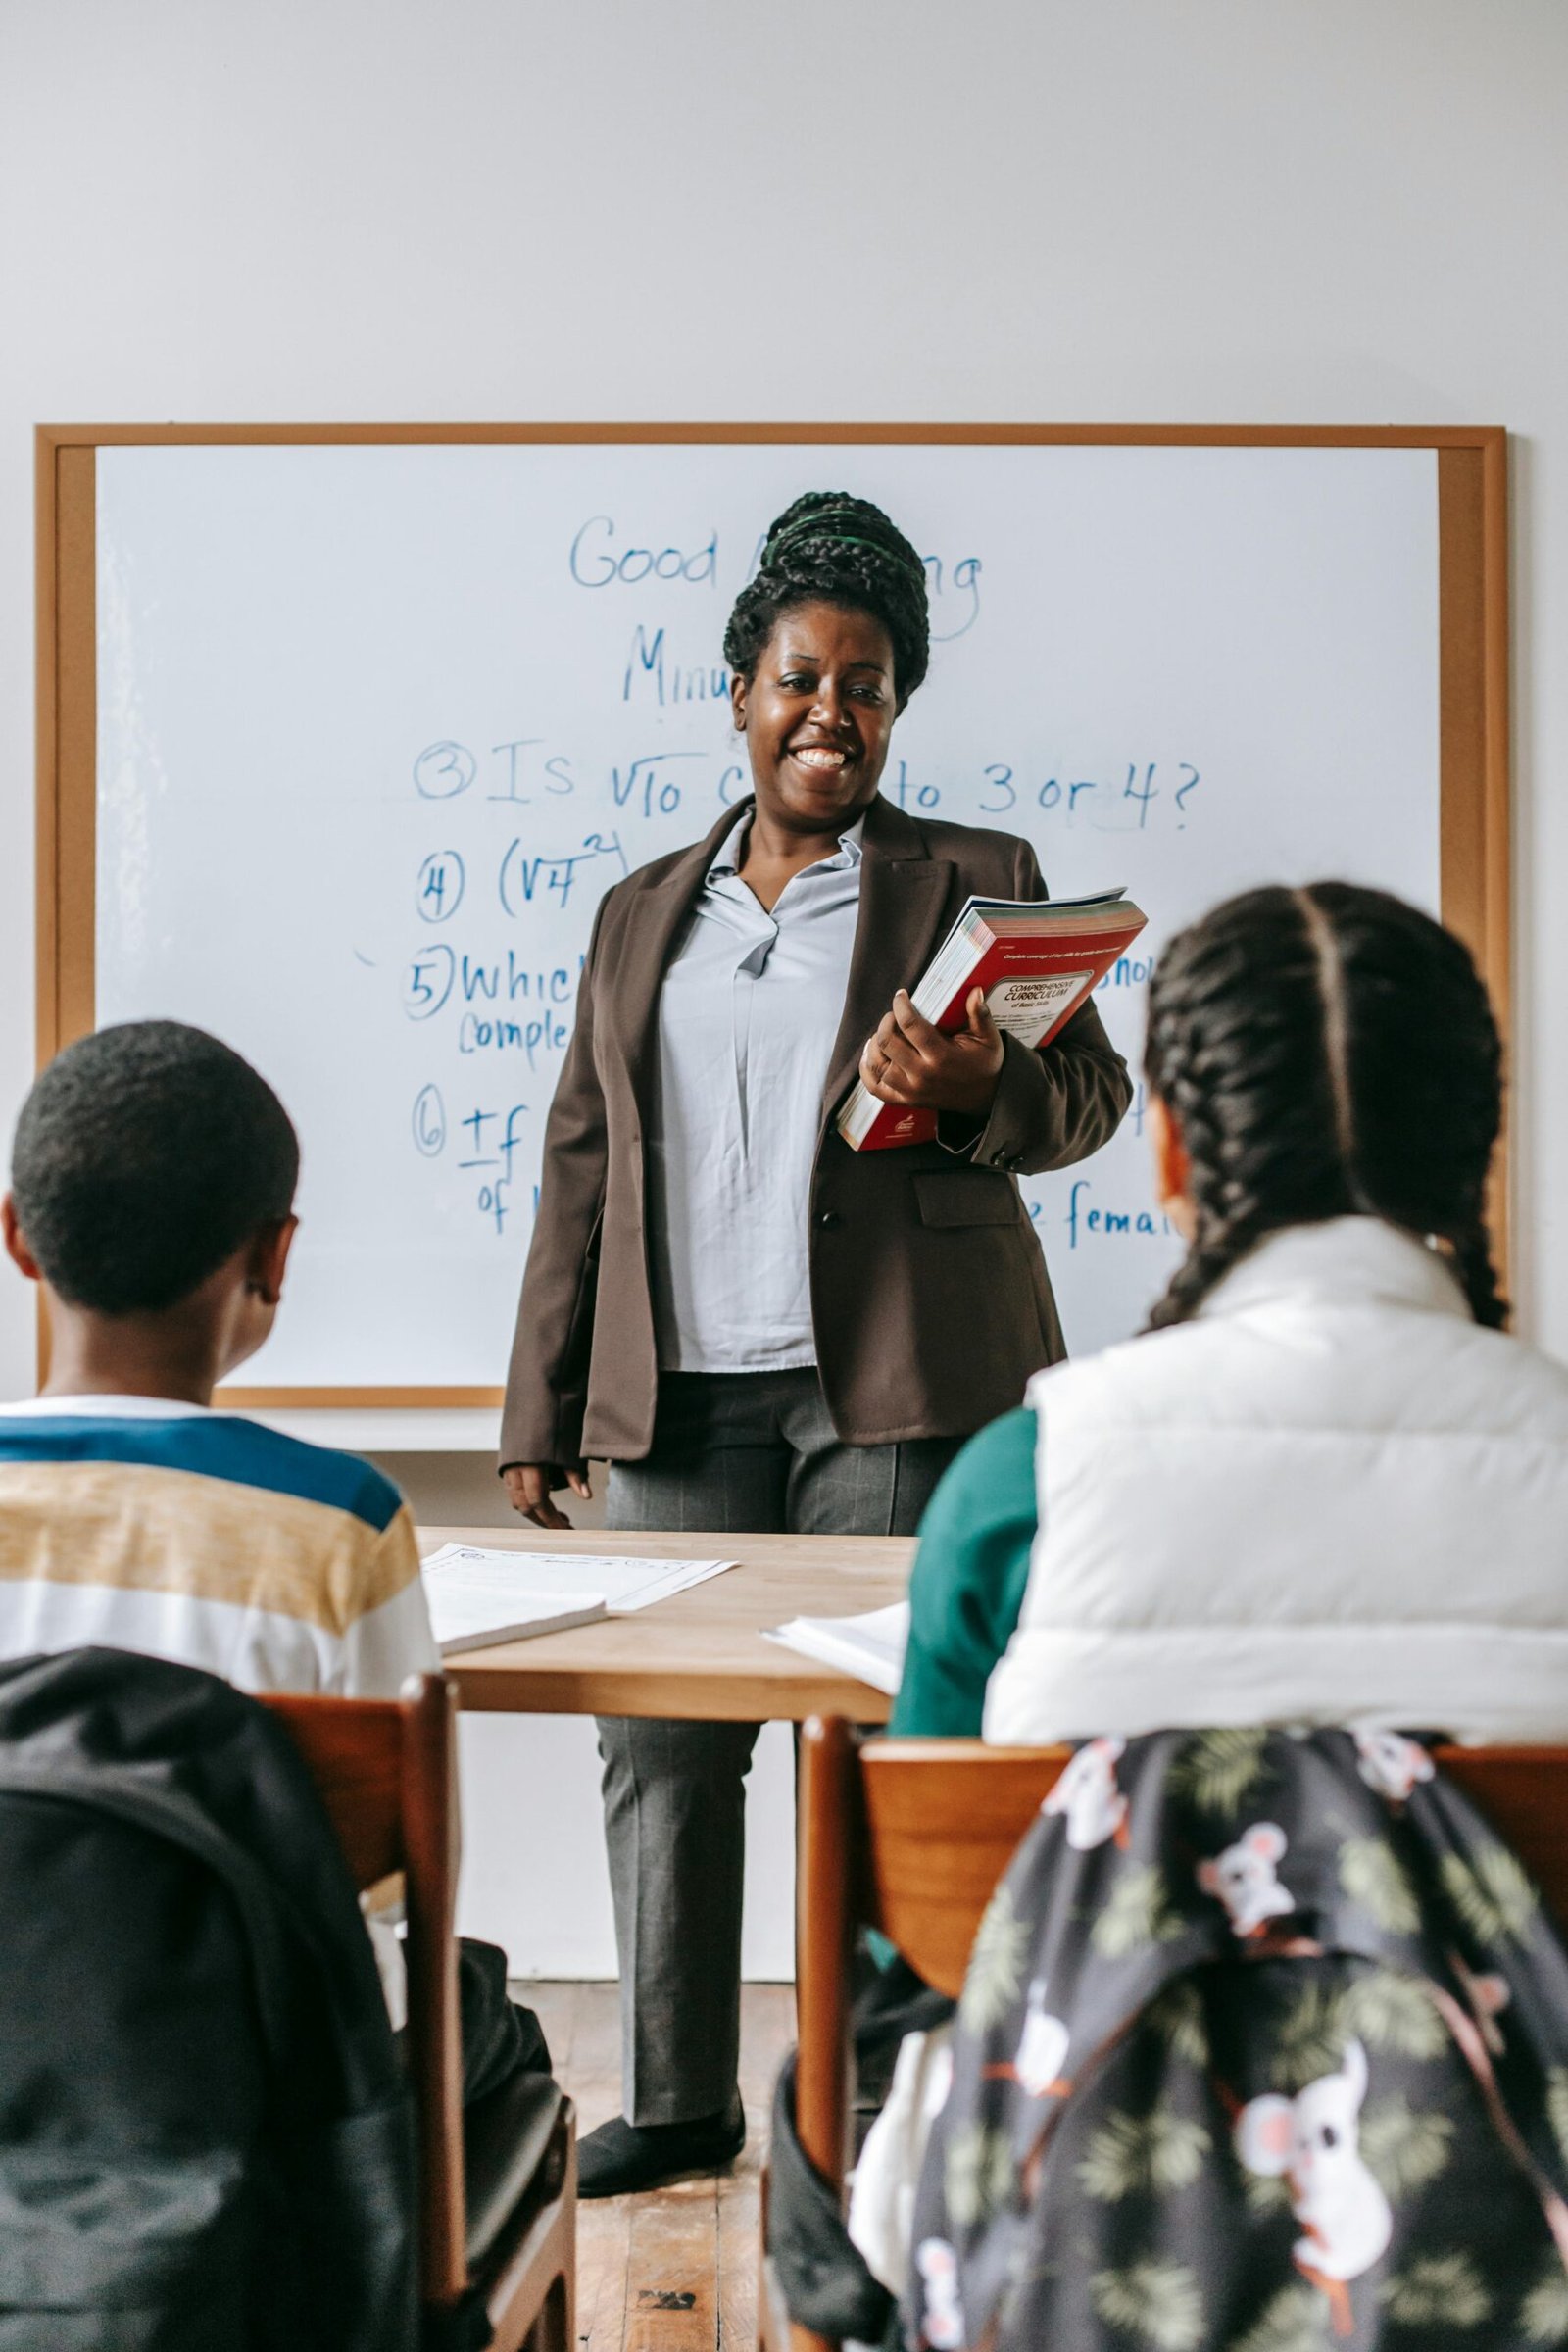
<point>1328,1499</point>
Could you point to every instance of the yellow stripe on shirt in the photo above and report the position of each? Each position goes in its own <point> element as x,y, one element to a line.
<point>130,1526</point>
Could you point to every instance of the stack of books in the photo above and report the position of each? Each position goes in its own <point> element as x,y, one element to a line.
<point>1036,958</point>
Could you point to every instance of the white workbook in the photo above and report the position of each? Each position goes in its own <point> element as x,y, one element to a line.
<point>869,1647</point>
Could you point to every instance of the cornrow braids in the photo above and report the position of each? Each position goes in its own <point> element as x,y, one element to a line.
<point>1327,1052</point>
<point>829,548</point>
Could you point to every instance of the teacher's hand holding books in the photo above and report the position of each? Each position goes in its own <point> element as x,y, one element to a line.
<point>913,1064</point>
<point>1016,965</point>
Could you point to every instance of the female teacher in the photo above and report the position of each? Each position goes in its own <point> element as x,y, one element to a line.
<point>757,1327</point>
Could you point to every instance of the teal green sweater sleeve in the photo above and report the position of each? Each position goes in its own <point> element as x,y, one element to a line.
<point>967,1585</point>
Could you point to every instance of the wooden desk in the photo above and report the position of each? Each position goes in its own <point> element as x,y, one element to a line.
<point>701,1655</point>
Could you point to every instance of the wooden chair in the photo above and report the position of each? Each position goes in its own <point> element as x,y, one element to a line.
<point>911,1835</point>
<point>498,2184</point>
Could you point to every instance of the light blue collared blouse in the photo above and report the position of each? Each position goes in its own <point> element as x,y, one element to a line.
<point>747,1018</point>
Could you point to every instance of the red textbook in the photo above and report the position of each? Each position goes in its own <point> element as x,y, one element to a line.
<point>1037,960</point>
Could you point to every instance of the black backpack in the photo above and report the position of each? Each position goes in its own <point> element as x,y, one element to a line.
<point>205,2134</point>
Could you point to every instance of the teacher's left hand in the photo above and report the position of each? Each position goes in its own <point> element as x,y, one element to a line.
<point>917,1067</point>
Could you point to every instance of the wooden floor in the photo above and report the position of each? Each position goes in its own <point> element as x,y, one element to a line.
<point>674,2269</point>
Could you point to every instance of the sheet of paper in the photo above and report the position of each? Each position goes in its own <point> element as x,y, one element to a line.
<point>624,1581</point>
<point>869,1647</point>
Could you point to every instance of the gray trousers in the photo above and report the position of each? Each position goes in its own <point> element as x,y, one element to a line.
<point>751,1453</point>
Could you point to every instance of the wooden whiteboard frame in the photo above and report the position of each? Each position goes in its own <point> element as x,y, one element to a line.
<point>1473,684</point>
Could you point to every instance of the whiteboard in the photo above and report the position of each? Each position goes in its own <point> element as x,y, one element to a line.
<point>379,725</point>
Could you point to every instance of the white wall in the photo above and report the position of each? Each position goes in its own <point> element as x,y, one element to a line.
<point>1306,211</point>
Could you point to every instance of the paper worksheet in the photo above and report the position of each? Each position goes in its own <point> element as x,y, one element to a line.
<point>872,1648</point>
<point>622,1580</point>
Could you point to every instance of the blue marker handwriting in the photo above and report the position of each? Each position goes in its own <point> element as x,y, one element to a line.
<point>486,1142</point>
<point>1128,971</point>
<point>509,980</point>
<point>493,1153</point>
<point>525,877</point>
<point>487,988</point>
<point>1084,1217</point>
<point>599,557</point>
<point>543,1031</point>
<point>653,675</point>
<point>443,770</point>
<point>955,618</point>
<point>522,772</point>
<point>428,981</point>
<point>429,1122</point>
<point>438,891</point>
<point>1115,802</point>
<point>648,785</point>
<point>552,774</point>
<point>1135,796</point>
<point>494,1033</point>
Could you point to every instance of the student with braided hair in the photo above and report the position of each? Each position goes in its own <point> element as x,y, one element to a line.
<point>1324,1487</point>
<point>758,1328</point>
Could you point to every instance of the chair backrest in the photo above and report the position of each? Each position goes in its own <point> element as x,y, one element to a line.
<point>907,1836</point>
<point>386,1771</point>
<point>911,1835</point>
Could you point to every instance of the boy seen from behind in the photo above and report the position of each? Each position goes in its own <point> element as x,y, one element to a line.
<point>151,1196</point>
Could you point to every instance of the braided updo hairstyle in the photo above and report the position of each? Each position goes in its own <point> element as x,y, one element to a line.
<point>831,549</point>
<point>1326,1053</point>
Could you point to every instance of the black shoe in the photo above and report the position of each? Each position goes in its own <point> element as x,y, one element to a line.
<point>620,2157</point>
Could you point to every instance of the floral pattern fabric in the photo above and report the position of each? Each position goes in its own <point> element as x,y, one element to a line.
<point>1264,2047</point>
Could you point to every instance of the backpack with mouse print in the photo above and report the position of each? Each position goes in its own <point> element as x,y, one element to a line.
<point>1264,2047</point>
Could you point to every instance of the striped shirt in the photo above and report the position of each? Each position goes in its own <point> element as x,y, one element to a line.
<point>140,1524</point>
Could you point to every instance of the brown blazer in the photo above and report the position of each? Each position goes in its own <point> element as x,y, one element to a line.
<point>929,1293</point>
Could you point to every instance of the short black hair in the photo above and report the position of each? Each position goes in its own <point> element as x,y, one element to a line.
<point>144,1156</point>
<point>831,549</point>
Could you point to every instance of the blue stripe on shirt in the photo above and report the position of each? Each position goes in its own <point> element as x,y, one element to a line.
<point>224,1446</point>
